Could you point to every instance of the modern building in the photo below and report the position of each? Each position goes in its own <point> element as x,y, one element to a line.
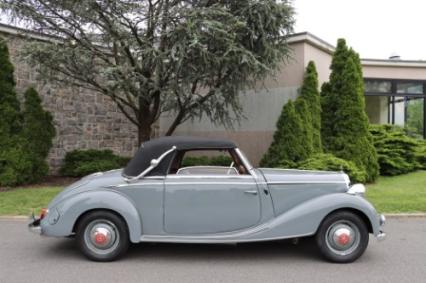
<point>395,93</point>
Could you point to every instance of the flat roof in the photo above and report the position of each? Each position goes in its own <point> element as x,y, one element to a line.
<point>293,38</point>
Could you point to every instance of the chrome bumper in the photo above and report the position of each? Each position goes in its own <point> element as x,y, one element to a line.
<point>34,225</point>
<point>382,235</point>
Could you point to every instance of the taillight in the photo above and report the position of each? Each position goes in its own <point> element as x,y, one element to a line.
<point>43,213</point>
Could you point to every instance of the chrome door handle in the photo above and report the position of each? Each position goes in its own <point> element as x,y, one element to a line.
<point>253,192</point>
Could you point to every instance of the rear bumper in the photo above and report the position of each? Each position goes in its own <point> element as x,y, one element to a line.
<point>34,225</point>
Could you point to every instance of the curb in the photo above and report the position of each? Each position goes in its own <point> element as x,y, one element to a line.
<point>404,215</point>
<point>13,217</point>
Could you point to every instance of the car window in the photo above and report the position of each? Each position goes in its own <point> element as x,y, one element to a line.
<point>206,162</point>
<point>207,170</point>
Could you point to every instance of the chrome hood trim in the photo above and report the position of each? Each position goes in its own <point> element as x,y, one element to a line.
<point>290,176</point>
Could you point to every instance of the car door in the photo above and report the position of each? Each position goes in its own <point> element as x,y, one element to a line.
<point>210,204</point>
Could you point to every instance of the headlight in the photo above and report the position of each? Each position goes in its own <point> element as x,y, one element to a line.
<point>357,189</point>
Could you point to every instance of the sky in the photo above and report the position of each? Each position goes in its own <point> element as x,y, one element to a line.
<point>374,28</point>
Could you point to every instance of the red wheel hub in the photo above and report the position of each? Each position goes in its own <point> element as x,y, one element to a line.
<point>100,238</point>
<point>343,239</point>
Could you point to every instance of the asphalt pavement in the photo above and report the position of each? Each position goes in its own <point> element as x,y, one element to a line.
<point>26,257</point>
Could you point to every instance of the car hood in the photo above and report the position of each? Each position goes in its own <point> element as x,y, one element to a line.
<point>90,182</point>
<point>303,176</point>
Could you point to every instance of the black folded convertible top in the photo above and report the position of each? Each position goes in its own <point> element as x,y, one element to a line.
<point>154,148</point>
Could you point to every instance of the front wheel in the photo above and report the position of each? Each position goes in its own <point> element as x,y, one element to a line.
<point>342,237</point>
<point>102,236</point>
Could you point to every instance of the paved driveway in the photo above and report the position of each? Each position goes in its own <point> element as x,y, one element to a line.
<point>25,257</point>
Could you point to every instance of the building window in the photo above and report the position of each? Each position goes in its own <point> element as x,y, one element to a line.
<point>397,102</point>
<point>378,86</point>
<point>409,88</point>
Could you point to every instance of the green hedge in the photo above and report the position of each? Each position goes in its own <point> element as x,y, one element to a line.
<point>79,163</point>
<point>329,162</point>
<point>396,150</point>
<point>420,155</point>
<point>208,161</point>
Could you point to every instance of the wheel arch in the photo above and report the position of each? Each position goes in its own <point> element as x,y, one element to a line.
<point>87,212</point>
<point>355,211</point>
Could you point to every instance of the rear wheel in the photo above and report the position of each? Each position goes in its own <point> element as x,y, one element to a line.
<point>342,237</point>
<point>102,236</point>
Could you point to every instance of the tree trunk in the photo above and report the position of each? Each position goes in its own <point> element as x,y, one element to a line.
<point>144,133</point>
<point>176,123</point>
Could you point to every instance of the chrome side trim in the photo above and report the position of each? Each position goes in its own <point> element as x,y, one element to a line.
<point>301,170</point>
<point>304,182</point>
<point>212,239</point>
<point>186,183</point>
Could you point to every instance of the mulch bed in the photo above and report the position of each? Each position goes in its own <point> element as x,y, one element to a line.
<point>49,181</point>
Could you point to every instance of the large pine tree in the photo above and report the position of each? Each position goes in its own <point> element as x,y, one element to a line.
<point>310,93</point>
<point>344,121</point>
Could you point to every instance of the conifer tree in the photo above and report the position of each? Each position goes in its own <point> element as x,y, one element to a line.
<point>10,122</point>
<point>286,148</point>
<point>345,123</point>
<point>310,93</point>
<point>306,129</point>
<point>38,132</point>
<point>14,163</point>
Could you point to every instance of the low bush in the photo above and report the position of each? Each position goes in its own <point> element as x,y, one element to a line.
<point>396,150</point>
<point>329,162</point>
<point>80,163</point>
<point>207,161</point>
<point>15,167</point>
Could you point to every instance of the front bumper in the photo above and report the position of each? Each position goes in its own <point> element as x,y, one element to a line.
<point>34,225</point>
<point>382,235</point>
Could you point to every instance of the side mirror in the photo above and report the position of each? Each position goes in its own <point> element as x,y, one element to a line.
<point>154,162</point>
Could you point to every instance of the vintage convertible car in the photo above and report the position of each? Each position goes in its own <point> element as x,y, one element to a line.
<point>156,198</point>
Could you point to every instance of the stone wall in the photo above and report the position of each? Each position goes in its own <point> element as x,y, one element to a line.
<point>83,119</point>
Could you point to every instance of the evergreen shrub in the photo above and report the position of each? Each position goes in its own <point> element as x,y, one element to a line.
<point>396,150</point>
<point>328,162</point>
<point>79,163</point>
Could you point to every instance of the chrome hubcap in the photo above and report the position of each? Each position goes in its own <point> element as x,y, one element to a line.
<point>101,236</point>
<point>343,237</point>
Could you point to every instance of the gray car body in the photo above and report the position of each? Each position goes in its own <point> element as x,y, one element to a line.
<point>268,204</point>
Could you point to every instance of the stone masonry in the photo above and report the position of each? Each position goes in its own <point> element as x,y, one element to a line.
<point>83,119</point>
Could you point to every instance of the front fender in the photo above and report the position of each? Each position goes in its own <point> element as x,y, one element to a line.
<point>304,219</point>
<point>70,209</point>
